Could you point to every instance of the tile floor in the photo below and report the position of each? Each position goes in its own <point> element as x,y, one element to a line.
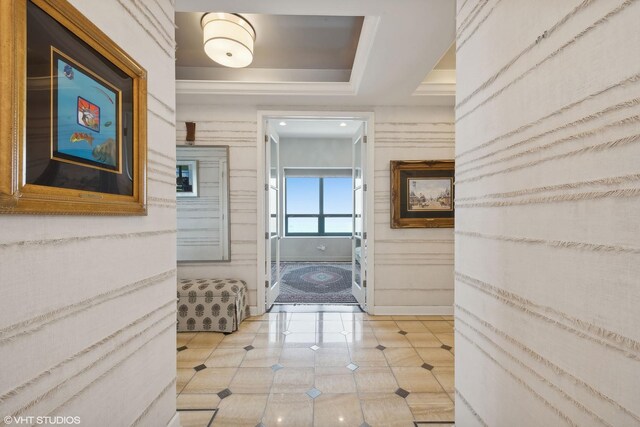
<point>319,369</point>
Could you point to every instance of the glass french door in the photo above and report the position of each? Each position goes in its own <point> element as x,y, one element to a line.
<point>272,219</point>
<point>358,234</point>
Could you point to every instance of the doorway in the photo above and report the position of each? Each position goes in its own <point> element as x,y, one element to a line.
<point>315,251</point>
<point>315,209</point>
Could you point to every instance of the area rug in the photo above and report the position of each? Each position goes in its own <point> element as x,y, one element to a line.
<point>315,283</point>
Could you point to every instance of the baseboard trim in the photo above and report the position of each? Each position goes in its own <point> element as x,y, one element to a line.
<point>316,259</point>
<point>175,421</point>
<point>393,310</point>
<point>406,310</point>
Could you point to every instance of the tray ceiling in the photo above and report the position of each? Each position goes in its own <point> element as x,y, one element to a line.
<point>334,52</point>
<point>282,42</point>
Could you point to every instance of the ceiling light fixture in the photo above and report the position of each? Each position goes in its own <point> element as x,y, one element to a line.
<point>283,123</point>
<point>343,124</point>
<point>228,39</point>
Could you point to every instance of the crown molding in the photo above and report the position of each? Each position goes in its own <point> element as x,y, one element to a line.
<point>207,87</point>
<point>435,89</point>
<point>438,83</point>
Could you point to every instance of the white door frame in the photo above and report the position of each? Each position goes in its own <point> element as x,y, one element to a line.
<point>358,288</point>
<point>367,117</point>
<point>274,289</point>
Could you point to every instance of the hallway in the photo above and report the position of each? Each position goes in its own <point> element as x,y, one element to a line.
<point>319,369</point>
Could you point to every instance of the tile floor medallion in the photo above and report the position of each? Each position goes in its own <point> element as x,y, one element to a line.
<point>319,369</point>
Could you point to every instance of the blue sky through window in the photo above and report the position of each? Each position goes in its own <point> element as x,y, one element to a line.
<point>303,195</point>
<point>337,196</point>
<point>303,198</point>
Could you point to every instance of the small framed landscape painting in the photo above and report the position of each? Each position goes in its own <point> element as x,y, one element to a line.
<point>186,178</point>
<point>422,194</point>
<point>73,139</point>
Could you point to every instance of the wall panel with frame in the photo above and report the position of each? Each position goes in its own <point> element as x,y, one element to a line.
<point>202,184</point>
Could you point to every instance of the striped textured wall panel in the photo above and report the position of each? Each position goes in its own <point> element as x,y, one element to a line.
<point>237,128</point>
<point>88,317</point>
<point>547,255</point>
<point>414,267</point>
<point>400,134</point>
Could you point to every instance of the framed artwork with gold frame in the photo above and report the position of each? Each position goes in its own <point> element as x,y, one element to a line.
<point>422,194</point>
<point>72,114</point>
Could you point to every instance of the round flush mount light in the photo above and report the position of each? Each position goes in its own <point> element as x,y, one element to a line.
<point>228,39</point>
<point>343,124</point>
<point>282,123</point>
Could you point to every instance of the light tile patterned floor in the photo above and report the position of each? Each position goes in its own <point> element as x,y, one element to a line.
<point>319,369</point>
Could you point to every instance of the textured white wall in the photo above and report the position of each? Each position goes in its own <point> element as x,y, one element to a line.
<point>336,249</point>
<point>414,267</point>
<point>87,326</point>
<point>547,175</point>
<point>237,128</point>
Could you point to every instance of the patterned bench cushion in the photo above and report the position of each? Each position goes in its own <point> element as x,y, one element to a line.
<point>211,304</point>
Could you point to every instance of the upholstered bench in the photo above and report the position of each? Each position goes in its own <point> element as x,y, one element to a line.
<point>211,304</point>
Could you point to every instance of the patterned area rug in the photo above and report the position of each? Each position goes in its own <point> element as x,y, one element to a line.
<point>316,283</point>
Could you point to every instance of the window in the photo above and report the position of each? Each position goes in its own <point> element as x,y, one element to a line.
<point>318,206</point>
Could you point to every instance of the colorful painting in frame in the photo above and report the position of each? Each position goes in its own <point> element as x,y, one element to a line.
<point>86,116</point>
<point>422,194</point>
<point>75,107</point>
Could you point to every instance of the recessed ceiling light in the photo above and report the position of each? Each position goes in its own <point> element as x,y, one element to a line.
<point>283,123</point>
<point>343,124</point>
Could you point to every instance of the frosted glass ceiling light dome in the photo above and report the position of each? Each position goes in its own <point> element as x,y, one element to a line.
<point>228,39</point>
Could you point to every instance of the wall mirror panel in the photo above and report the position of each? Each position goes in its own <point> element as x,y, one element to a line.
<point>202,197</point>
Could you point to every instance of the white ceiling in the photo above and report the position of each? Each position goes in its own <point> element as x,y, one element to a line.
<point>400,44</point>
<point>305,128</point>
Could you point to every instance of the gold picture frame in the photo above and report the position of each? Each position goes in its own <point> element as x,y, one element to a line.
<point>73,115</point>
<point>422,194</point>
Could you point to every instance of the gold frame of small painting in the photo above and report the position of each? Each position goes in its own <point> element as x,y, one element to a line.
<point>73,115</point>
<point>422,194</point>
